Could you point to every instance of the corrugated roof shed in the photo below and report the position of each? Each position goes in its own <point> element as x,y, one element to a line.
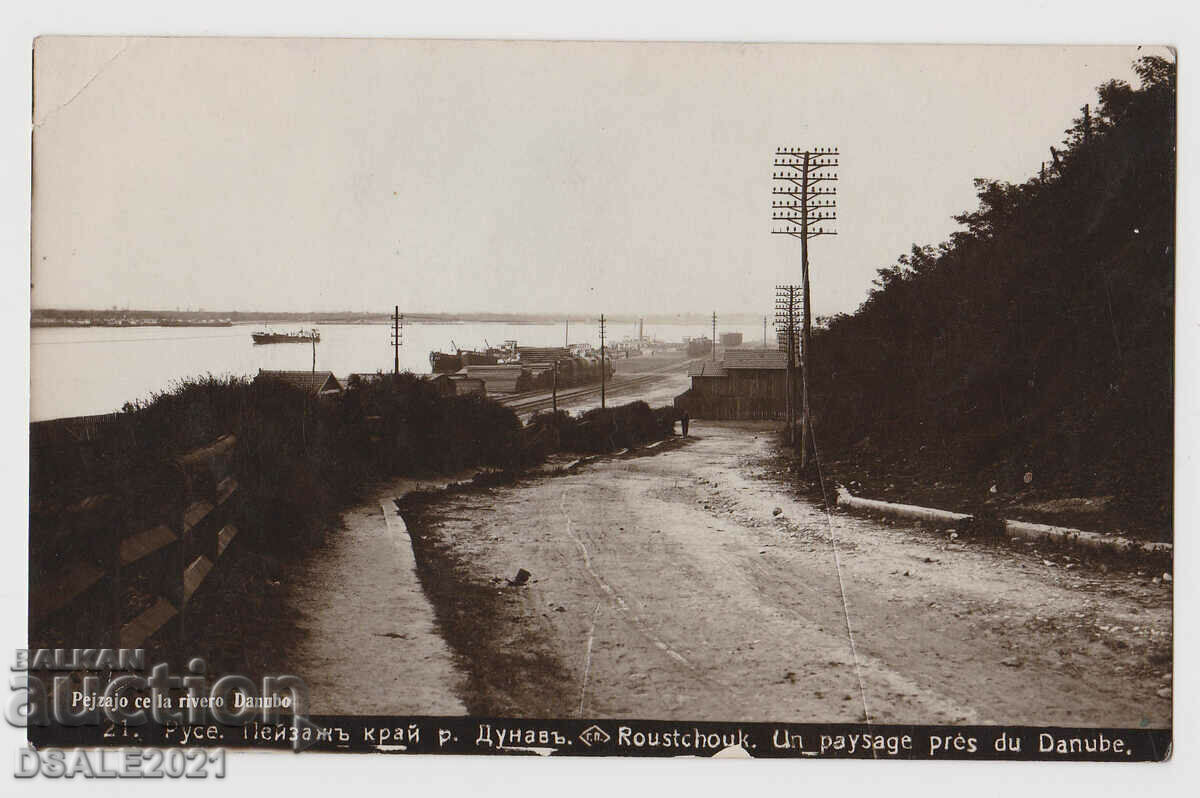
<point>317,383</point>
<point>755,359</point>
<point>543,354</point>
<point>706,368</point>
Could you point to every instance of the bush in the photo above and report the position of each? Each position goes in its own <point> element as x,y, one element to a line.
<point>609,429</point>
<point>300,459</point>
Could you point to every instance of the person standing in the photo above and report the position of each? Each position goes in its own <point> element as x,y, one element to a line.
<point>683,422</point>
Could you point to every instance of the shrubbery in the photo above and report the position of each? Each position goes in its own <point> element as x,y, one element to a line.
<point>300,459</point>
<point>608,429</point>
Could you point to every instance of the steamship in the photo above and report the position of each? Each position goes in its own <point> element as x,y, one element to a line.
<point>298,337</point>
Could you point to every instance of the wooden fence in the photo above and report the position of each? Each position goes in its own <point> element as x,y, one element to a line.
<point>125,574</point>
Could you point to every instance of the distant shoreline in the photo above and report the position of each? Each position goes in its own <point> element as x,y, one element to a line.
<point>74,319</point>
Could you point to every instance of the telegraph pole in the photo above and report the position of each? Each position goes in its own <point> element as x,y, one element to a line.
<point>603,370</point>
<point>397,336</point>
<point>787,310</point>
<point>554,394</point>
<point>797,176</point>
<point>314,343</point>
<point>714,338</point>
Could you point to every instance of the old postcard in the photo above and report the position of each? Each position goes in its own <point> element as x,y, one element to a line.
<point>601,399</point>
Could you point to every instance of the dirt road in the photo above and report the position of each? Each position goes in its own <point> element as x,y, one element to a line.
<point>667,586</point>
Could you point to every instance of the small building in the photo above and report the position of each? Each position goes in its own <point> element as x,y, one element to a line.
<point>457,384</point>
<point>698,347</point>
<point>707,377</point>
<point>731,339</point>
<point>497,379</point>
<point>746,384</point>
<point>315,383</point>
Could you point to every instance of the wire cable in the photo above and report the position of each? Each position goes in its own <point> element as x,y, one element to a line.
<point>837,560</point>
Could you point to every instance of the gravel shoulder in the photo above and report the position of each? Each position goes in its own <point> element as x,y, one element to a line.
<point>365,637</point>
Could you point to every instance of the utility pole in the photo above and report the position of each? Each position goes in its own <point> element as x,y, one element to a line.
<point>567,333</point>
<point>554,394</point>
<point>797,176</point>
<point>787,315</point>
<point>397,337</point>
<point>603,370</point>
<point>314,343</point>
<point>714,338</point>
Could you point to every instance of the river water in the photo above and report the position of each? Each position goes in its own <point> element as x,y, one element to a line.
<point>83,371</point>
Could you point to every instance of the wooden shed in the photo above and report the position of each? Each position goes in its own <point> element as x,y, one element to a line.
<point>497,379</point>
<point>457,384</point>
<point>317,383</point>
<point>746,384</point>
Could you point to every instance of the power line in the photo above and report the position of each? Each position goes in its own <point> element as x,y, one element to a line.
<point>837,564</point>
<point>797,175</point>
<point>788,317</point>
<point>397,335</point>
<point>603,375</point>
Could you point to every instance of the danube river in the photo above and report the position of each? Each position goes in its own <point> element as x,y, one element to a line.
<point>83,371</point>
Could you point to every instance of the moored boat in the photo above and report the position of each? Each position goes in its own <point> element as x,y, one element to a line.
<point>447,363</point>
<point>298,337</point>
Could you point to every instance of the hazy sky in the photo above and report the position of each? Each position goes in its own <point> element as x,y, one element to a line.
<point>487,176</point>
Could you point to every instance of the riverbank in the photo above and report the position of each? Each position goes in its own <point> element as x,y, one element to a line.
<point>83,371</point>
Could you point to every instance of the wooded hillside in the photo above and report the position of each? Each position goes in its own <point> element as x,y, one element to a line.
<point>1039,338</point>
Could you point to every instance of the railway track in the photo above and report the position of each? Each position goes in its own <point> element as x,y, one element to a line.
<point>533,402</point>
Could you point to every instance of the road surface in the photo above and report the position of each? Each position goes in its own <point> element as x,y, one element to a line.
<point>364,632</point>
<point>667,586</point>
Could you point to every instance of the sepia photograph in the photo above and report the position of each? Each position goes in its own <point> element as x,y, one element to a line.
<point>619,399</point>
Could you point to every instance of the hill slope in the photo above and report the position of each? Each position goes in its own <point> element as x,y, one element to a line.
<point>1037,340</point>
